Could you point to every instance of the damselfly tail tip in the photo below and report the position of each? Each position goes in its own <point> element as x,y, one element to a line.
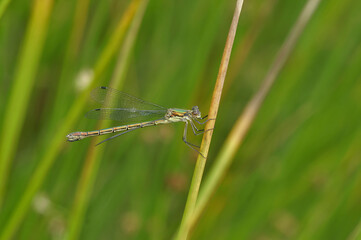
<point>72,137</point>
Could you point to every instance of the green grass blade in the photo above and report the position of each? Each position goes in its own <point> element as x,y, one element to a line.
<point>93,158</point>
<point>125,52</point>
<point>70,58</point>
<point>23,84</point>
<point>3,5</point>
<point>59,137</point>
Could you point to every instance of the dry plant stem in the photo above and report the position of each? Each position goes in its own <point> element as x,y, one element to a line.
<point>206,141</point>
<point>245,120</point>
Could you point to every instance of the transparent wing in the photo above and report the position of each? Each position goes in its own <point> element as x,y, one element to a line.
<point>126,115</point>
<point>112,98</point>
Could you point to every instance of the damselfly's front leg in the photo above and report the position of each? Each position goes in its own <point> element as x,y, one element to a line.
<point>199,131</point>
<point>195,130</point>
<point>185,136</point>
<point>202,119</point>
<point>191,145</point>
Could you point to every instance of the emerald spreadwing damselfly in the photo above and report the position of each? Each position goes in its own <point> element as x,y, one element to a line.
<point>134,113</point>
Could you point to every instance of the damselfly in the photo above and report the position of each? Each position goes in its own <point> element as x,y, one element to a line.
<point>127,109</point>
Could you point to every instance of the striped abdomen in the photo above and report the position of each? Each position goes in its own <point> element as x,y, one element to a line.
<point>76,136</point>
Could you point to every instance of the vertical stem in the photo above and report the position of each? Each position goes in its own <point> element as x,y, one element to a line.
<point>206,141</point>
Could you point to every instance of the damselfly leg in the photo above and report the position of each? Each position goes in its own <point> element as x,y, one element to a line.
<point>204,121</point>
<point>191,145</point>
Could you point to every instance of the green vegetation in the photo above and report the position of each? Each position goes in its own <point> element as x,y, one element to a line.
<point>296,175</point>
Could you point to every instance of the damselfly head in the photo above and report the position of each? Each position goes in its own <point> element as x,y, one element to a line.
<point>195,112</point>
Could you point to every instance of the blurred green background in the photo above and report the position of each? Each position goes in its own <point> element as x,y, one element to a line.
<point>297,175</point>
